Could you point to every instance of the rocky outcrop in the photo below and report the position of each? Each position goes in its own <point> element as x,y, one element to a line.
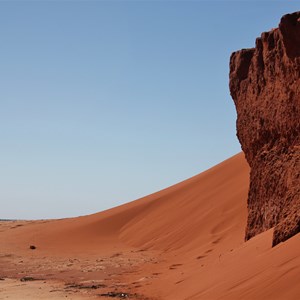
<point>265,87</point>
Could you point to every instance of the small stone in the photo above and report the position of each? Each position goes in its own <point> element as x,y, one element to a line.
<point>27,278</point>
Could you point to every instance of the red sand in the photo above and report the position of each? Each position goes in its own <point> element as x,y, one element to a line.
<point>184,242</point>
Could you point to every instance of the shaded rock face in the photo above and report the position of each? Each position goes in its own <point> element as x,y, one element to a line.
<point>265,87</point>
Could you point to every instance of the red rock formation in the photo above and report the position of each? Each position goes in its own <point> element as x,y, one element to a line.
<point>265,87</point>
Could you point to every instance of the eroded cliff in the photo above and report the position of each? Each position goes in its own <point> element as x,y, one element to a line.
<point>265,87</point>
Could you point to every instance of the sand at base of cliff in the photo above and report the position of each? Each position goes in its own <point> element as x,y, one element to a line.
<point>184,242</point>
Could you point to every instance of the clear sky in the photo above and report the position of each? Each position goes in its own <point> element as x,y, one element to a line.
<point>103,102</point>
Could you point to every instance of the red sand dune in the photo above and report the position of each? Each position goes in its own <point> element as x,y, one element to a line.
<point>193,232</point>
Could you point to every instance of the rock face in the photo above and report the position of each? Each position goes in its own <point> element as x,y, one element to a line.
<point>265,87</point>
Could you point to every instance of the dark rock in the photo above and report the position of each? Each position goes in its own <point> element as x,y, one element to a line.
<point>81,286</point>
<point>27,278</point>
<point>115,295</point>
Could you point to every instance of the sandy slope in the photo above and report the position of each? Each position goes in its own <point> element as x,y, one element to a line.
<point>184,242</point>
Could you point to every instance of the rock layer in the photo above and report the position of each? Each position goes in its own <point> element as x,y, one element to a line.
<point>265,87</point>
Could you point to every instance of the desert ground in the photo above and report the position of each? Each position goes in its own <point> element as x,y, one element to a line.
<point>184,242</point>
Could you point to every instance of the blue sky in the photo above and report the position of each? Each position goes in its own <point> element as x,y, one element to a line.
<point>103,102</point>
